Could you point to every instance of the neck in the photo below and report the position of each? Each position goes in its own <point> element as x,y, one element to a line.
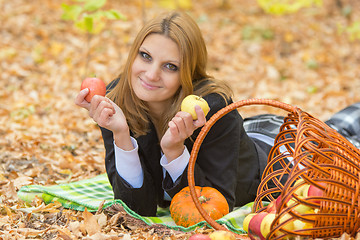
<point>157,110</point>
<point>157,124</point>
<point>157,116</point>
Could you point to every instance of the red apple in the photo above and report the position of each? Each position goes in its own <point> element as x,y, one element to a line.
<point>247,220</point>
<point>315,192</point>
<point>271,207</point>
<point>266,222</point>
<point>255,226</point>
<point>278,202</point>
<point>199,236</point>
<point>96,87</point>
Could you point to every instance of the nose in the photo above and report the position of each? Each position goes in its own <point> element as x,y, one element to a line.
<point>153,73</point>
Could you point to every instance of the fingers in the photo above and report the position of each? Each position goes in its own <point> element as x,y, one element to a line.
<point>80,99</point>
<point>103,118</point>
<point>113,104</point>
<point>174,130</point>
<point>101,108</point>
<point>182,125</point>
<point>201,117</point>
<point>180,128</point>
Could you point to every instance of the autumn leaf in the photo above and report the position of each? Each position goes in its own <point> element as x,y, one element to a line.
<point>91,225</point>
<point>174,4</point>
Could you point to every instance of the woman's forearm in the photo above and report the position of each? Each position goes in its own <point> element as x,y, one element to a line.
<point>123,141</point>
<point>174,152</point>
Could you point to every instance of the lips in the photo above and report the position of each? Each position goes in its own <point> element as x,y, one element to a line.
<point>147,85</point>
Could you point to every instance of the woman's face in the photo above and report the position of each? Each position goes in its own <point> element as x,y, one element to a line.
<point>155,73</point>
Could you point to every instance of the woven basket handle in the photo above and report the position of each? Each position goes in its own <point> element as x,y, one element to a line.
<point>205,129</point>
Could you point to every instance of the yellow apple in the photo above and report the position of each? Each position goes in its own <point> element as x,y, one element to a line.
<point>222,235</point>
<point>289,226</point>
<point>303,189</point>
<point>300,208</point>
<point>299,181</point>
<point>254,225</point>
<point>188,105</point>
<point>247,221</point>
<point>301,192</point>
<point>266,224</point>
<point>302,225</point>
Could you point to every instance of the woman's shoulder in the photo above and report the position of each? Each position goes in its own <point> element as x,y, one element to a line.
<point>217,101</point>
<point>216,92</point>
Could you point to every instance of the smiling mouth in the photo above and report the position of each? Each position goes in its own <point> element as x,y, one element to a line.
<point>148,86</point>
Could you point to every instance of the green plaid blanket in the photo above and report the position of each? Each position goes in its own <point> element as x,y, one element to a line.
<point>90,193</point>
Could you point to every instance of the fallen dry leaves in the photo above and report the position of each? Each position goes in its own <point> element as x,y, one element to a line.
<point>45,139</point>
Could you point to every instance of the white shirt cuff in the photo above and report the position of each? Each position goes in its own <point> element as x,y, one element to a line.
<point>176,167</point>
<point>128,165</point>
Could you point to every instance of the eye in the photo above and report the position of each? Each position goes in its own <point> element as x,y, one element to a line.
<point>145,56</point>
<point>171,67</point>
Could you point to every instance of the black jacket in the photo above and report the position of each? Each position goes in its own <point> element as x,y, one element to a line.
<point>228,160</point>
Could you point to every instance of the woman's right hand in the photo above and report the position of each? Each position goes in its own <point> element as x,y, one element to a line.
<point>104,112</point>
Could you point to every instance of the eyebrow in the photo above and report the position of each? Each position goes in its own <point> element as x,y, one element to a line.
<point>141,48</point>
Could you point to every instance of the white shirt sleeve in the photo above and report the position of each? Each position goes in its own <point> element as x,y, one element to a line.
<point>128,165</point>
<point>176,167</point>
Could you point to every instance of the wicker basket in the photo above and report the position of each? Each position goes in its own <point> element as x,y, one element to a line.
<point>306,148</point>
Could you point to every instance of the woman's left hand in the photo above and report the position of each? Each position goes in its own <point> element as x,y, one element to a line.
<point>180,128</point>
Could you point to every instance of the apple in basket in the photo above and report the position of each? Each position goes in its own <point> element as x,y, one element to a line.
<point>258,225</point>
<point>247,220</point>
<point>301,187</point>
<point>266,222</point>
<point>96,87</point>
<point>316,192</point>
<point>188,105</point>
<point>307,190</point>
<point>271,207</point>
<point>297,206</point>
<point>275,204</point>
<point>222,235</point>
<point>254,230</point>
<point>301,191</point>
<point>199,236</point>
<point>302,225</point>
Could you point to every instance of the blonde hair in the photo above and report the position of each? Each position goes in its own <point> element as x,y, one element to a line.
<point>184,31</point>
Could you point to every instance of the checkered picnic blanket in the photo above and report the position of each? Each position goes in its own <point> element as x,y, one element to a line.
<point>90,193</point>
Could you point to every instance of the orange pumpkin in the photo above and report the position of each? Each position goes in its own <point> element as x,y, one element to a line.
<point>184,212</point>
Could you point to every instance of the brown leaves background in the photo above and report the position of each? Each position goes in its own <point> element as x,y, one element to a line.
<point>300,59</point>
